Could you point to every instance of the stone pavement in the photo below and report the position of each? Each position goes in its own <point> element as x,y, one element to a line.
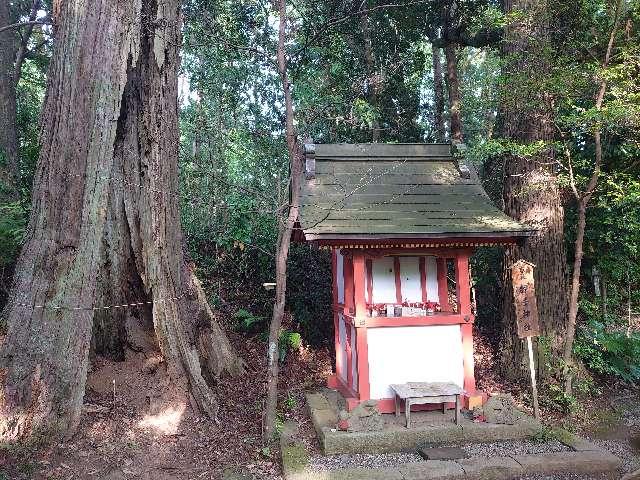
<point>584,457</point>
<point>475,468</point>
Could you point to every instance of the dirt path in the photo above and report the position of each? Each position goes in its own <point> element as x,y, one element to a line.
<point>151,432</point>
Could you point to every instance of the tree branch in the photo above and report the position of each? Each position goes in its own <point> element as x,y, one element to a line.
<point>25,24</point>
<point>22,49</point>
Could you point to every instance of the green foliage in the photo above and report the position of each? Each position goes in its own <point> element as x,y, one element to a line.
<point>547,434</point>
<point>294,457</point>
<point>13,219</point>
<point>290,402</point>
<point>309,294</point>
<point>266,452</point>
<point>611,353</point>
<point>556,399</point>
<point>288,342</point>
<point>246,321</point>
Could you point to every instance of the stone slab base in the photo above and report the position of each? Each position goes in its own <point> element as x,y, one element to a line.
<point>478,468</point>
<point>396,438</point>
<point>585,458</point>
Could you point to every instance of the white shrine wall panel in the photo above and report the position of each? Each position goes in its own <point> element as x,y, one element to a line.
<point>431,266</point>
<point>340,276</point>
<point>384,280</point>
<point>341,357</point>
<point>413,354</point>
<point>410,283</point>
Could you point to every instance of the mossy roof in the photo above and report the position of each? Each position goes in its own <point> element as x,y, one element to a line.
<point>372,191</point>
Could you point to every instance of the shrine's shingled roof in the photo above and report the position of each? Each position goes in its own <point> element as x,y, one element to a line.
<point>372,191</point>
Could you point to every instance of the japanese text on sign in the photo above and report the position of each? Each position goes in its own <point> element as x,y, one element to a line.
<point>524,296</point>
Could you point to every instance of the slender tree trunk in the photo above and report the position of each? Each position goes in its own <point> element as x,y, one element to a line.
<point>8,124</point>
<point>105,219</point>
<point>575,291</point>
<point>284,234</point>
<point>372,80</point>
<point>438,94</point>
<point>583,200</point>
<point>21,53</point>
<point>453,87</point>
<point>531,193</point>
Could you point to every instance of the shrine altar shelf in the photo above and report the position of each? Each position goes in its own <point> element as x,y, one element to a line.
<point>401,221</point>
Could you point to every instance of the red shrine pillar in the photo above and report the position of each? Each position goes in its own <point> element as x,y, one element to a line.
<point>360,322</point>
<point>332,382</point>
<point>443,287</point>
<point>463,298</point>
<point>349,309</point>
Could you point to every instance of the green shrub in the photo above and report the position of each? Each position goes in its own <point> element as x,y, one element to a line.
<point>288,341</point>
<point>13,220</point>
<point>246,321</point>
<point>609,353</point>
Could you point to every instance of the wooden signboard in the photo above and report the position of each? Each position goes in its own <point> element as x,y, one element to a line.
<point>524,296</point>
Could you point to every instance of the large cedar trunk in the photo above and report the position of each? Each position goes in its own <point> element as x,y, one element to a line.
<point>8,126</point>
<point>530,191</point>
<point>105,226</point>
<point>372,78</point>
<point>438,94</point>
<point>453,87</point>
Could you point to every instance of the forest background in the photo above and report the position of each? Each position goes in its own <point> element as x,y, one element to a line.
<point>518,82</point>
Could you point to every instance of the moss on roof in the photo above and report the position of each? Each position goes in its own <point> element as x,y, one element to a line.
<point>396,191</point>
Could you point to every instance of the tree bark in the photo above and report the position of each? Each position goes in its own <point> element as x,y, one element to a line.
<point>8,123</point>
<point>530,192</point>
<point>438,94</point>
<point>105,223</point>
<point>574,292</point>
<point>284,235</point>
<point>453,88</point>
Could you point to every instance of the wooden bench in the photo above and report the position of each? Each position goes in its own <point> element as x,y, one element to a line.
<point>420,393</point>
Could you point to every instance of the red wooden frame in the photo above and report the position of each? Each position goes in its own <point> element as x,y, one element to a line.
<point>369,267</point>
<point>336,310</point>
<point>362,355</point>
<point>423,243</point>
<point>398,277</point>
<point>443,284</point>
<point>423,278</point>
<point>357,265</point>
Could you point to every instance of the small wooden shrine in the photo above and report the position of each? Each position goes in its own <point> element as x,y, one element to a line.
<point>401,221</point>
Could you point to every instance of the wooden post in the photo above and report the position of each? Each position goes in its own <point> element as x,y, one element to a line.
<point>463,299</point>
<point>396,270</point>
<point>360,322</point>
<point>443,287</point>
<point>423,278</point>
<point>359,289</point>
<point>524,297</point>
<point>463,289</point>
<point>536,411</point>
<point>336,319</point>
<point>347,269</point>
<point>349,309</point>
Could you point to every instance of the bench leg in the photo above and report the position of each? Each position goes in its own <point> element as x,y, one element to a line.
<point>397,402</point>
<point>407,411</point>
<point>457,409</point>
<point>444,408</point>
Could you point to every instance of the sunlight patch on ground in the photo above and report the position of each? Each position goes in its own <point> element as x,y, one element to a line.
<point>166,422</point>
